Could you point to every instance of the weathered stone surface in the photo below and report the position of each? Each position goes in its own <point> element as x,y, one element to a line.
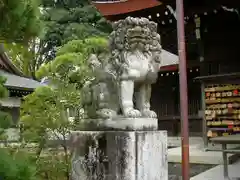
<point>123,78</point>
<point>121,155</point>
<point>132,123</point>
<point>119,96</point>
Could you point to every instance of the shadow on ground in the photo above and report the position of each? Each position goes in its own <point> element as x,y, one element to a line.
<point>175,170</point>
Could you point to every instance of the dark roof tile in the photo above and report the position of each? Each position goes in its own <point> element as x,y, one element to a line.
<point>17,82</point>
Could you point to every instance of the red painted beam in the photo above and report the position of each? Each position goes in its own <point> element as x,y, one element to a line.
<point>169,68</point>
<point>116,8</point>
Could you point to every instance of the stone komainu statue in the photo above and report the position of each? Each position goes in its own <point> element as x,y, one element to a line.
<point>122,84</point>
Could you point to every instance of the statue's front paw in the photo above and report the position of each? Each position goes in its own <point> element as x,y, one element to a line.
<point>133,113</point>
<point>149,113</point>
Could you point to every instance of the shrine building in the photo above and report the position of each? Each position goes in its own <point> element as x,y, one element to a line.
<point>17,84</point>
<point>212,43</point>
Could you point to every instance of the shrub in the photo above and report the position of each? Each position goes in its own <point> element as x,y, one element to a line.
<point>53,167</point>
<point>16,166</point>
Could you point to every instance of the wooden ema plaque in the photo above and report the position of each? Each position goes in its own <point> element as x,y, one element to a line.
<point>222,109</point>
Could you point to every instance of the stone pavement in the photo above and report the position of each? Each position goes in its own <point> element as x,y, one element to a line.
<point>198,156</point>
<point>216,173</point>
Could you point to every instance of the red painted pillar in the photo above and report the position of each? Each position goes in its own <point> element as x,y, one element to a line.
<point>183,89</point>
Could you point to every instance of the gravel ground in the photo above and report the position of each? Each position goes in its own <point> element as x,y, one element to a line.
<point>174,170</point>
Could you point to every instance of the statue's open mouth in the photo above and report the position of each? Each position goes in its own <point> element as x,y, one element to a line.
<point>137,39</point>
<point>138,33</point>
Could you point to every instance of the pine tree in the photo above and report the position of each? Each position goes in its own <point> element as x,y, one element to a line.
<point>19,20</point>
<point>63,21</point>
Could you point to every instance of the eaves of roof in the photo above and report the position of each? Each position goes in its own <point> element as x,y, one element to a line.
<point>122,7</point>
<point>15,78</point>
<point>11,67</point>
<point>18,82</point>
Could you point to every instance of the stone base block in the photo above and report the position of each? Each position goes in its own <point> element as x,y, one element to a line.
<point>132,123</point>
<point>120,155</point>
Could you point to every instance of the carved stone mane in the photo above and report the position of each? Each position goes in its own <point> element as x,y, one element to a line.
<point>132,32</point>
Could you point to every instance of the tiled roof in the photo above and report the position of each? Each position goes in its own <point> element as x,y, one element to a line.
<point>7,63</point>
<point>17,82</point>
<point>15,78</point>
<point>169,59</point>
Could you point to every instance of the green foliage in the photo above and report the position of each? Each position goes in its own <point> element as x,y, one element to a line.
<point>3,89</point>
<point>92,45</point>
<point>62,21</point>
<point>43,113</point>
<point>19,20</point>
<point>17,166</point>
<point>71,61</point>
<point>27,57</point>
<point>5,118</point>
<point>5,123</point>
<point>67,72</point>
<point>44,118</point>
<point>21,164</point>
<point>52,167</point>
<point>52,103</point>
<point>70,20</point>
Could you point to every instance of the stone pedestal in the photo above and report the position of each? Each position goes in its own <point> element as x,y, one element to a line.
<point>119,155</point>
<point>122,123</point>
